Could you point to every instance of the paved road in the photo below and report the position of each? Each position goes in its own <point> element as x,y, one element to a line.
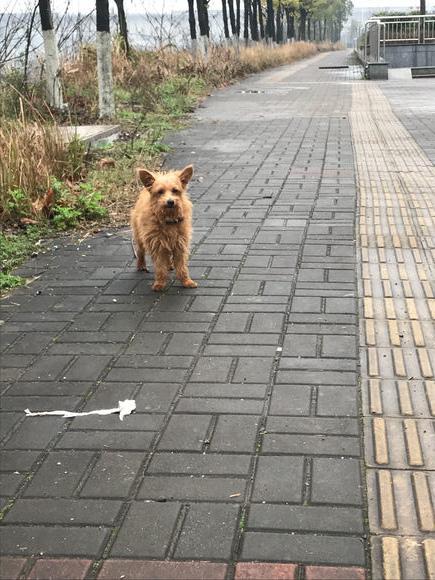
<point>247,444</point>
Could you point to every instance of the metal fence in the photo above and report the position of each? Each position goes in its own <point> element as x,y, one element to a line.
<point>383,30</point>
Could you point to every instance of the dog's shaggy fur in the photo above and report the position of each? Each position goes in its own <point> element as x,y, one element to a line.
<point>161,222</point>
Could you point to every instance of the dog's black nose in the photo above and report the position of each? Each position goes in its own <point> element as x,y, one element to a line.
<point>170,203</point>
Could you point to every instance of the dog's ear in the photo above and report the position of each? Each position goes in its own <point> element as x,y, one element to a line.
<point>185,175</point>
<point>146,177</point>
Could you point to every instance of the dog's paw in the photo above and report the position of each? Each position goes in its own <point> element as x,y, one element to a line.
<point>143,269</point>
<point>158,286</point>
<point>190,284</point>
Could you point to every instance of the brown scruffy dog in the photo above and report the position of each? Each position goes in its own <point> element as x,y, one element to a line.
<point>161,222</point>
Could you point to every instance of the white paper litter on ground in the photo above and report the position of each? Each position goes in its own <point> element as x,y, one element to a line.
<point>124,408</point>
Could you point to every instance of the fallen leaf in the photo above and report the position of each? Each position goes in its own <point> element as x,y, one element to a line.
<point>107,163</point>
<point>28,221</point>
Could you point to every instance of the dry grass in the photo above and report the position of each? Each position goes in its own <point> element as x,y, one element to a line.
<point>32,153</point>
<point>137,79</point>
<point>153,89</point>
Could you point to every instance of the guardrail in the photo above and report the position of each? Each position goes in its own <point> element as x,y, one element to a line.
<point>385,30</point>
<point>408,29</point>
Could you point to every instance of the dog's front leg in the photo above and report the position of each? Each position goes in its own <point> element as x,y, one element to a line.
<point>162,263</point>
<point>182,270</point>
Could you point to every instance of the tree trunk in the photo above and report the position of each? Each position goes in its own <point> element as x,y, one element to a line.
<point>238,18</point>
<point>225,19</point>
<point>302,23</point>
<point>122,21</point>
<point>104,60</point>
<point>270,24</point>
<point>279,30</point>
<point>260,19</point>
<point>254,22</point>
<point>290,23</point>
<point>246,18</point>
<point>52,68</point>
<point>203,24</point>
<point>192,27</point>
<point>422,7</point>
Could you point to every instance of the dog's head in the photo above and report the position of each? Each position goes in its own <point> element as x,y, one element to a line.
<point>167,192</point>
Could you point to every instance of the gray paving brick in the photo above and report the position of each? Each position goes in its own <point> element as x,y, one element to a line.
<point>113,475</point>
<point>279,479</point>
<point>48,368</point>
<point>146,531</point>
<point>235,433</point>
<point>336,481</point>
<point>207,532</point>
<point>313,377</point>
<point>59,474</point>
<point>200,463</point>
<point>300,345</point>
<point>267,322</point>
<point>145,374</point>
<point>212,368</point>
<point>306,304</point>
<point>319,425</point>
<point>306,518</point>
<point>10,482</point>
<point>225,406</point>
<point>28,437</point>
<point>33,343</point>
<point>63,511</point>
<point>253,370</point>
<point>52,540</point>
<point>337,401</point>
<point>192,488</point>
<point>231,390</point>
<point>232,322</point>
<point>306,548</point>
<point>17,460</point>
<point>291,400</point>
<point>335,346</point>
<point>310,444</point>
<point>119,440</point>
<point>146,343</point>
<point>182,343</point>
<point>185,432</point>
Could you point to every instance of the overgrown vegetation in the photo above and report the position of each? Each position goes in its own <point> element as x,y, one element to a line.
<point>50,184</point>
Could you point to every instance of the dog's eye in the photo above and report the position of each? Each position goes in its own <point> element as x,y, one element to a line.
<point>175,190</point>
<point>160,191</point>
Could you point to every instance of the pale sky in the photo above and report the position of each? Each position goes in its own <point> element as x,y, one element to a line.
<point>169,5</point>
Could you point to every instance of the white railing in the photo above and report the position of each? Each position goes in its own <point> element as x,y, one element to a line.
<point>383,30</point>
<point>413,29</point>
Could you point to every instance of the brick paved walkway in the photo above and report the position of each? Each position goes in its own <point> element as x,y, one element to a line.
<point>246,445</point>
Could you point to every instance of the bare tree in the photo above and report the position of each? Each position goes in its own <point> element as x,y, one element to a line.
<point>260,19</point>
<point>225,19</point>
<point>192,26</point>
<point>270,24</point>
<point>52,67</point>
<point>254,21</point>
<point>246,19</point>
<point>104,60</point>
<point>122,21</point>
<point>204,31</point>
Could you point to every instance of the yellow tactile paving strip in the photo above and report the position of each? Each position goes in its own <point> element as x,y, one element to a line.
<point>396,183</point>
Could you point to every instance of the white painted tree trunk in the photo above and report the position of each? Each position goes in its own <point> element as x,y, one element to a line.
<point>105,81</point>
<point>203,43</point>
<point>193,47</point>
<point>52,69</point>
<point>235,41</point>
